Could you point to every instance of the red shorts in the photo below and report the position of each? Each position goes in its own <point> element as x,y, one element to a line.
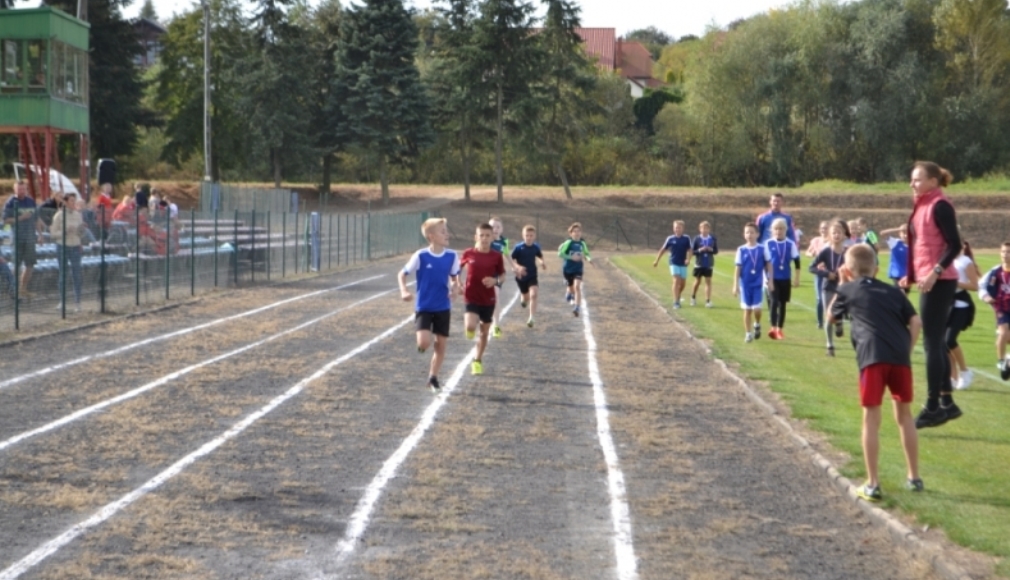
<point>874,378</point>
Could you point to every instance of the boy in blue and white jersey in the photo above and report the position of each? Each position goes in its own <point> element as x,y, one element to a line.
<point>704,249</point>
<point>753,268</point>
<point>899,254</point>
<point>437,270</point>
<point>574,252</point>
<point>679,245</point>
<point>526,256</point>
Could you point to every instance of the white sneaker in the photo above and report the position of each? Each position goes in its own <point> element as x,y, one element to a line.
<point>708,304</point>
<point>964,380</point>
<point>694,302</point>
<point>749,337</point>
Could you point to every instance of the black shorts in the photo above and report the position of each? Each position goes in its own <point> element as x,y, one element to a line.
<point>703,272</point>
<point>571,278</point>
<point>525,283</point>
<point>24,253</point>
<point>484,313</point>
<point>436,322</point>
<point>959,320</point>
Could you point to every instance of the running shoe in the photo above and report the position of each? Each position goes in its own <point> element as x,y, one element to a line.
<point>523,303</point>
<point>434,386</point>
<point>773,334</point>
<point>780,335</point>
<point>497,332</point>
<point>575,312</point>
<point>708,304</point>
<point>870,492</point>
<point>915,484</point>
<point>831,351</point>
<point>420,349</point>
<point>964,379</point>
<point>470,334</point>
<point>757,331</point>
<point>529,322</point>
<point>676,305</point>
<point>929,418</point>
<point>476,368</point>
<point>748,337</point>
<point>1004,371</point>
<point>569,298</point>
<point>952,411</point>
<point>839,330</point>
<point>694,302</point>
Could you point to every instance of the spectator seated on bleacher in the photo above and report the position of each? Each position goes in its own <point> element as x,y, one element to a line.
<point>155,238</point>
<point>126,211</point>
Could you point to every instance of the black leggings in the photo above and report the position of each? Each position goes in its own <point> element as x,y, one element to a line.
<point>934,308</point>
<point>777,301</point>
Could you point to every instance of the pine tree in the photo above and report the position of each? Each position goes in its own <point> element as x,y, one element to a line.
<point>509,59</point>
<point>147,11</point>
<point>324,27</point>
<point>384,106</point>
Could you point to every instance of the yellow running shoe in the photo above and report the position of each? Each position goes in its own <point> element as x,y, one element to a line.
<point>497,332</point>
<point>476,368</point>
<point>470,334</point>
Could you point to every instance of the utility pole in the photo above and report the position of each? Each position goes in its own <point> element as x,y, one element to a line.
<point>206,91</point>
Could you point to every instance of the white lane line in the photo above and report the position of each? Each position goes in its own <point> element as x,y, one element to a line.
<point>358,522</point>
<point>620,513</point>
<point>91,357</point>
<point>52,546</point>
<point>79,414</point>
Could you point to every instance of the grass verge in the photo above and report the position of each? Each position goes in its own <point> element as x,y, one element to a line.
<point>966,464</point>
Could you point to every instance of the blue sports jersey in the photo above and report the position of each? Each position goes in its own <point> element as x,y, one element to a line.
<point>501,245</point>
<point>570,248</point>
<point>433,273</point>
<point>764,224</point>
<point>704,259</point>
<point>526,256</point>
<point>752,261</point>
<point>679,247</point>
<point>899,259</point>
<point>782,255</point>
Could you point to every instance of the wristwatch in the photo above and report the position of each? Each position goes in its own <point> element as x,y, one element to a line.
<point>937,270</point>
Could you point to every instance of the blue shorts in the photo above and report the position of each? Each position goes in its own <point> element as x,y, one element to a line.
<point>750,297</point>
<point>678,271</point>
<point>1002,318</point>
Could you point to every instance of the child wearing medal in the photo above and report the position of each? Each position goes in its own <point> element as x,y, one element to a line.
<point>784,255</point>
<point>825,266</point>
<point>753,272</point>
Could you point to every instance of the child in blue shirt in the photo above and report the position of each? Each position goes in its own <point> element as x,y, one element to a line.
<point>753,268</point>
<point>784,255</point>
<point>679,246</point>
<point>704,249</point>
<point>899,254</point>
<point>574,251</point>
<point>526,256</point>
<point>437,270</point>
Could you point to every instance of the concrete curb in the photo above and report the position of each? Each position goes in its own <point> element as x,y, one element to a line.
<point>930,552</point>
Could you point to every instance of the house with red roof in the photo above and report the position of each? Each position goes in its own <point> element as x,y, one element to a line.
<point>629,59</point>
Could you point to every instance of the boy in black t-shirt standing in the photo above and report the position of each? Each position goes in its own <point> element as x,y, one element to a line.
<point>885,328</point>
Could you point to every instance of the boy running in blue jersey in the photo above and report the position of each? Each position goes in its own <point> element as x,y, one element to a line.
<point>899,254</point>
<point>574,251</point>
<point>753,267</point>
<point>499,244</point>
<point>437,269</point>
<point>679,245</point>
<point>704,249</point>
<point>526,256</point>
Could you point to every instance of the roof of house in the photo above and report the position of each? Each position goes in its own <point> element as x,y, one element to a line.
<point>634,60</point>
<point>601,43</point>
<point>148,24</point>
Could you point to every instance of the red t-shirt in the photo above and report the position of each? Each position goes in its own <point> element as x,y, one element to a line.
<point>480,265</point>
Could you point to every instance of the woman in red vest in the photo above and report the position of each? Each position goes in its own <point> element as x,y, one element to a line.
<point>933,244</point>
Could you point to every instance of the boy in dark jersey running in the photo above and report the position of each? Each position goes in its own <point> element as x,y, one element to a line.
<point>526,256</point>
<point>885,328</point>
<point>574,251</point>
<point>437,270</point>
<point>484,271</point>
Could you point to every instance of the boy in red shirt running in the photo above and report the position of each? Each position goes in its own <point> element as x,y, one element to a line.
<point>484,272</point>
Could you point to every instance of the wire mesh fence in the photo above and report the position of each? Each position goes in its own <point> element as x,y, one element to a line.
<point>62,262</point>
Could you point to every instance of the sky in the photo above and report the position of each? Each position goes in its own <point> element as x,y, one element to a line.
<point>675,18</point>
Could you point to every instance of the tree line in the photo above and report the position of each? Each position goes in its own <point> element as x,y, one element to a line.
<point>488,91</point>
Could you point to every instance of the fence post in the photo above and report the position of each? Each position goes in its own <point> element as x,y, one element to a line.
<point>329,243</point>
<point>192,252</point>
<point>284,243</point>
<point>234,249</point>
<point>347,247</point>
<point>356,240</point>
<point>270,234</point>
<point>216,243</point>
<point>252,243</point>
<point>367,226</point>
<point>102,279</point>
<point>136,257</point>
<point>17,274</point>
<point>62,254</point>
<point>168,252</point>
<point>296,243</point>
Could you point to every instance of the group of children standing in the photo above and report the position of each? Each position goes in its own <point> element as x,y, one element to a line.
<point>438,269</point>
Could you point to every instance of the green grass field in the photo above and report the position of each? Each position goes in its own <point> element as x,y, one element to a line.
<point>965,464</point>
